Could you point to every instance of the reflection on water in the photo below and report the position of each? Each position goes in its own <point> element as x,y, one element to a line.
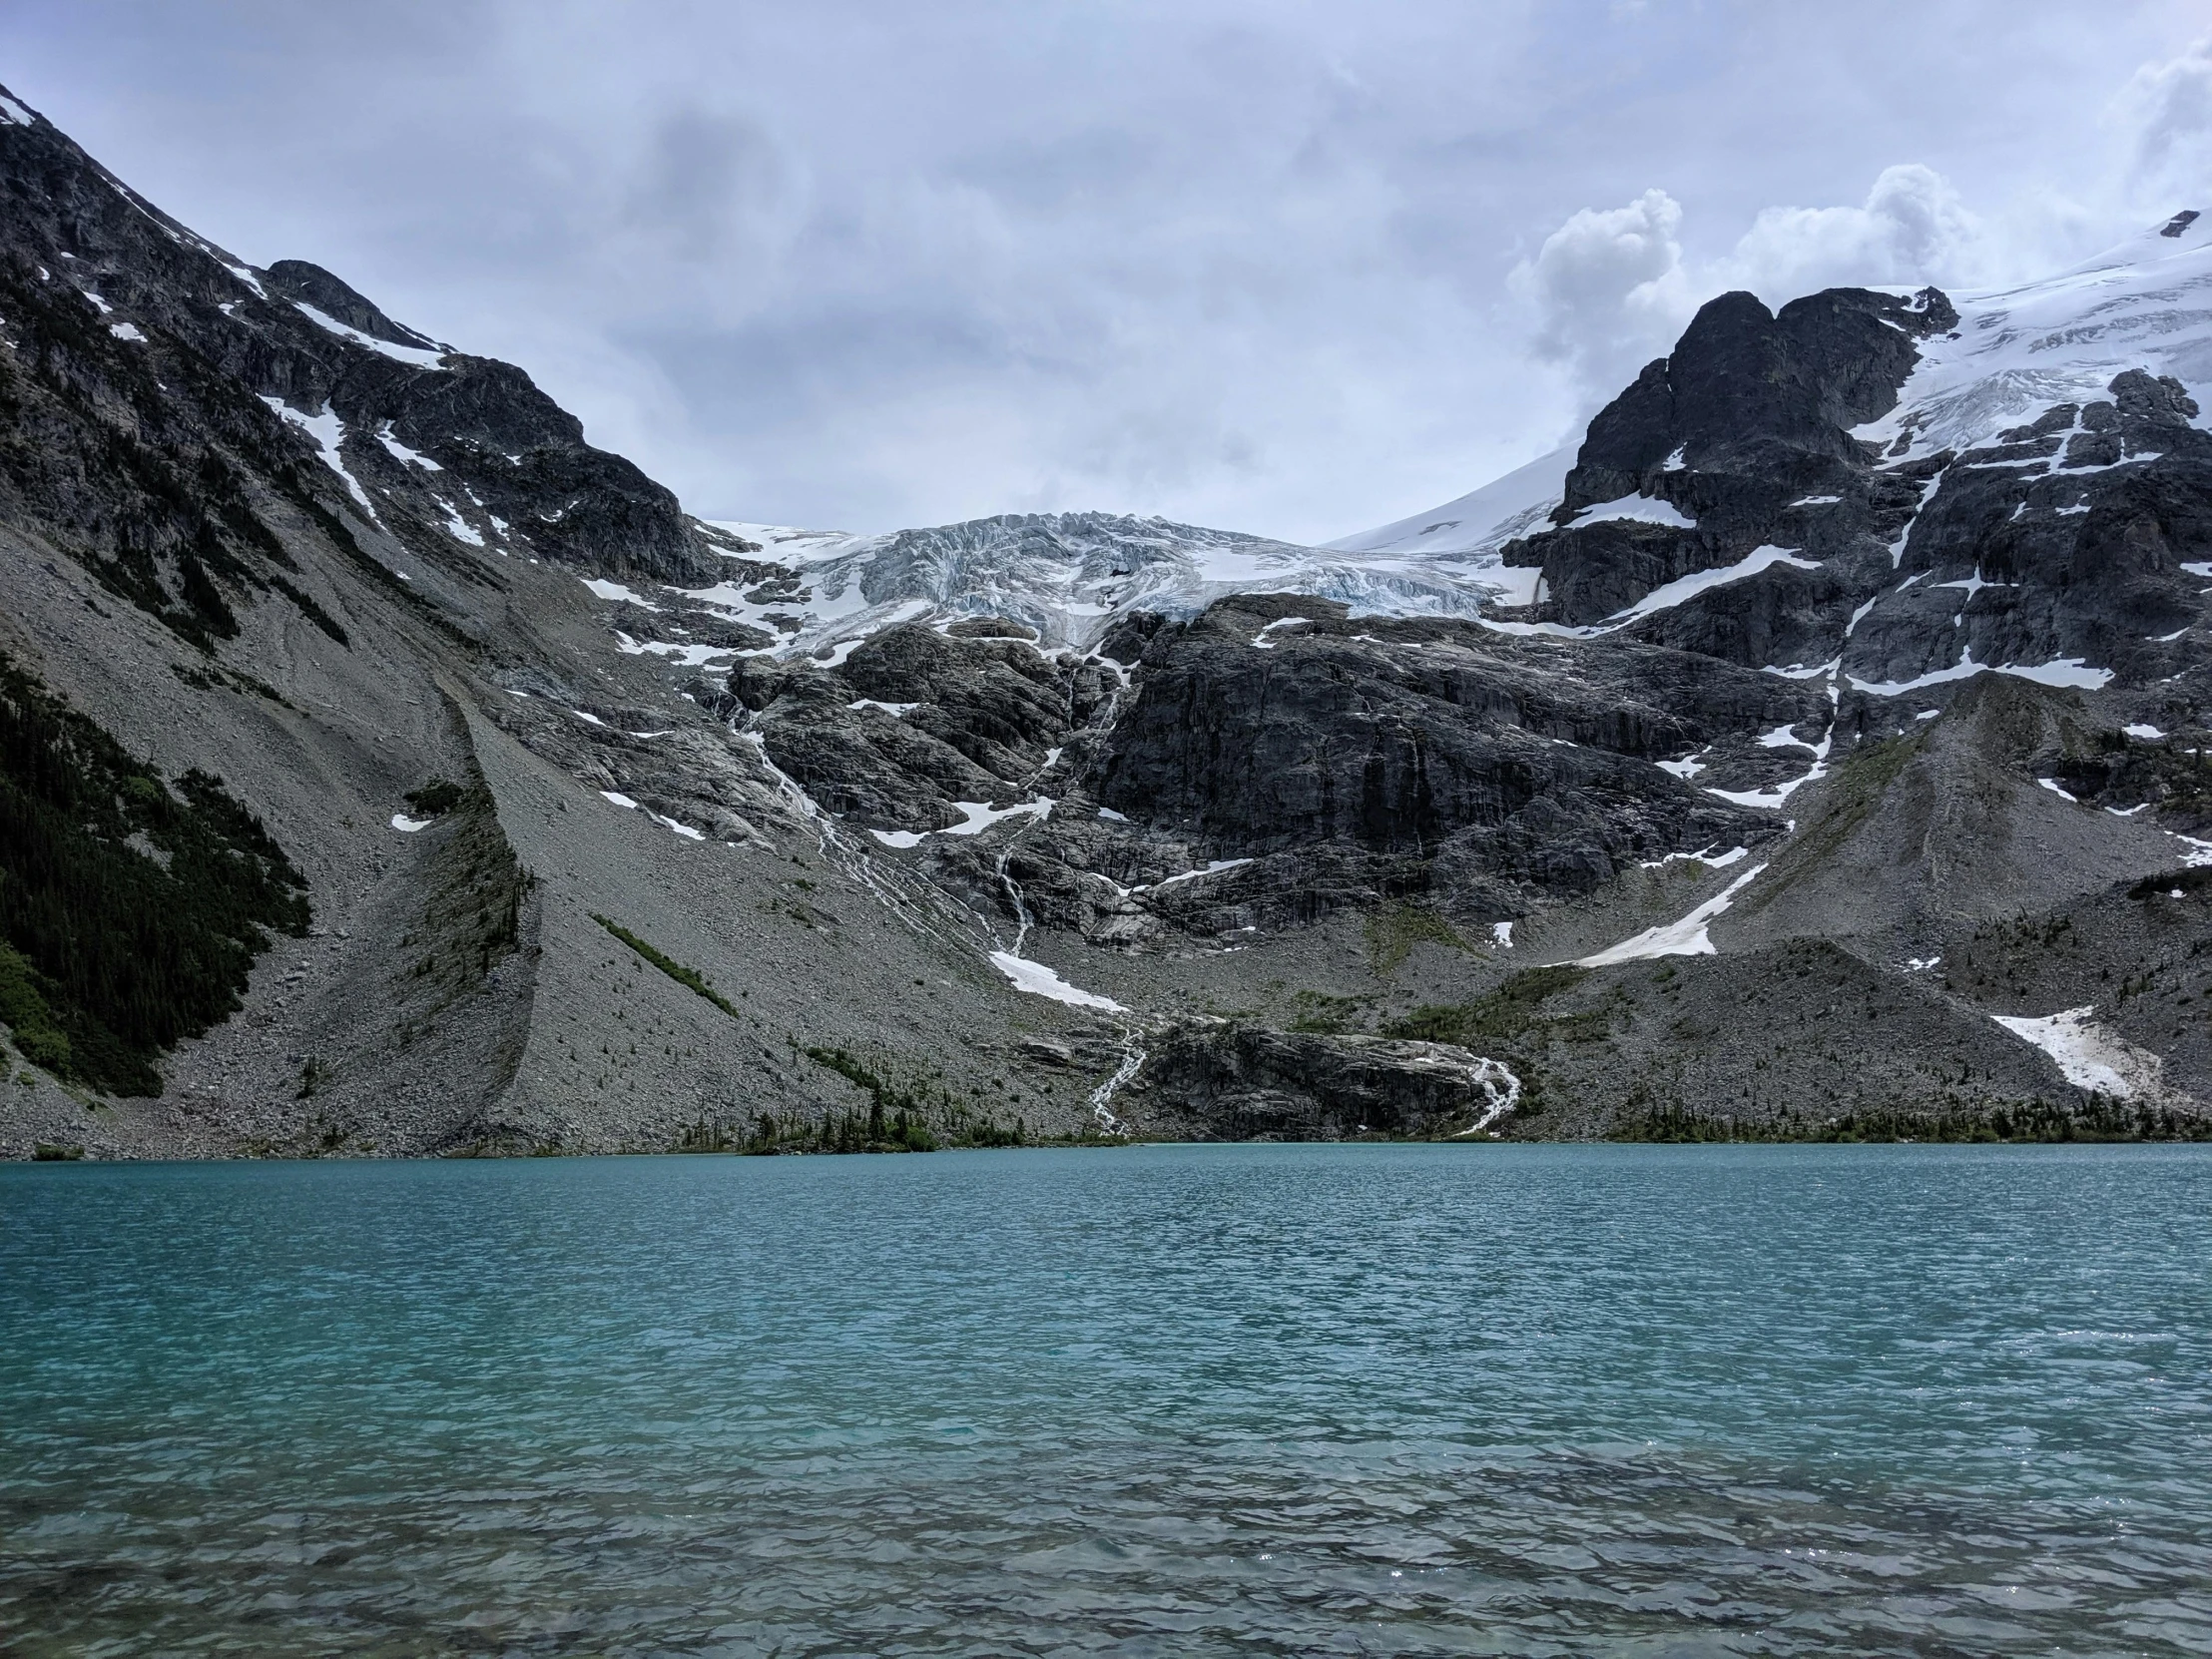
<point>1264,1400</point>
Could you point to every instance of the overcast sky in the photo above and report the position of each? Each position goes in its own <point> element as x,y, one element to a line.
<point>1277,267</point>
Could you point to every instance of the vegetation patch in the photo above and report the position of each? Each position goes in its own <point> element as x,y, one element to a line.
<point>1853,791</point>
<point>1510,1024</point>
<point>436,797</point>
<point>1393,931</point>
<point>472,919</point>
<point>1492,1022</point>
<point>2173,882</point>
<point>131,909</point>
<point>1950,1119</point>
<point>1329,1016</point>
<point>909,1117</point>
<point>687,977</point>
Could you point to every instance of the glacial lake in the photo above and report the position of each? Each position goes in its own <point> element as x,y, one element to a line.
<point>1242,1400</point>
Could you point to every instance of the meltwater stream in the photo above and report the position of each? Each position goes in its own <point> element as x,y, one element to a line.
<point>1140,1400</point>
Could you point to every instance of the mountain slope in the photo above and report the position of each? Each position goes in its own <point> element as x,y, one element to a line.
<point>1850,676</point>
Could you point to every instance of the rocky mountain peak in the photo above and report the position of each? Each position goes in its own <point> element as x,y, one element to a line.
<point>1752,391</point>
<point>310,285</point>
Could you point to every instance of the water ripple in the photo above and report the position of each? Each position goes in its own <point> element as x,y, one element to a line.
<point>1237,1401</point>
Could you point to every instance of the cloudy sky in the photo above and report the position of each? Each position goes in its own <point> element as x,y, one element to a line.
<point>1279,266</point>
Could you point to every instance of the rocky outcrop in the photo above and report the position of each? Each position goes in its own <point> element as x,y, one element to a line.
<point>1711,445</point>
<point>1752,405</point>
<point>1239,1083</point>
<point>1268,725</point>
<point>177,394</point>
<point>913,722</point>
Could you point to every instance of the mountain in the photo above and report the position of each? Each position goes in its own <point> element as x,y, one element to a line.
<point>1817,750</point>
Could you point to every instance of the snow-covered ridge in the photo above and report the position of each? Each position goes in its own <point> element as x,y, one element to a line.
<point>2015,354</point>
<point>1480,523</point>
<point>2018,352</point>
<point>1065,575</point>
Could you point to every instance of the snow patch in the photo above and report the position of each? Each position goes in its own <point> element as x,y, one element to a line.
<point>458,527</point>
<point>1687,938</point>
<point>1704,855</point>
<point>2199,855</point>
<point>401,353</point>
<point>402,454</point>
<point>1480,522</point>
<point>2088,1056</point>
<point>1684,587</point>
<point>2069,671</point>
<point>977,816</point>
<point>611,590</point>
<point>408,825</point>
<point>1213,869</point>
<point>125,331</point>
<point>1036,979</point>
<point>1633,509</point>
<point>328,433</point>
<point>684,656</point>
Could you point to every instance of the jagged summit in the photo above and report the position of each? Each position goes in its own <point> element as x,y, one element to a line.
<point>2006,359</point>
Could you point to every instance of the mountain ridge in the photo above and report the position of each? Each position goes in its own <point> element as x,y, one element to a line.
<point>1852,675</point>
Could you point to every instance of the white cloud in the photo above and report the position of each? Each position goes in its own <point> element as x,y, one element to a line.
<point>1912,227</point>
<point>2166,108</point>
<point>1612,289</point>
<point>1607,288</point>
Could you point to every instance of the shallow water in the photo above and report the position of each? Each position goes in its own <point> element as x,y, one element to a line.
<point>1157,1400</point>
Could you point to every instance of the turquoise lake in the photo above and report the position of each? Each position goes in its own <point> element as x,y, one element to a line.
<point>1249,1400</point>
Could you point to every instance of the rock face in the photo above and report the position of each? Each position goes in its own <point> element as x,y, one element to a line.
<point>1452,746</point>
<point>1820,749</point>
<point>162,383</point>
<point>1239,1084</point>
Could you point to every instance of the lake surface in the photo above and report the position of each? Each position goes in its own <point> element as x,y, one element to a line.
<point>1370,1400</point>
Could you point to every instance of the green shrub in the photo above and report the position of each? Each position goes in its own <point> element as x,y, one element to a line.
<point>436,797</point>
<point>135,906</point>
<point>689,977</point>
